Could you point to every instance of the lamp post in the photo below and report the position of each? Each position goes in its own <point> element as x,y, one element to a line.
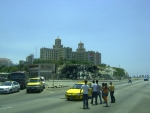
<point>53,77</point>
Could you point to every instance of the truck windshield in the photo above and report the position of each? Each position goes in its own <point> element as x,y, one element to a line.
<point>17,76</point>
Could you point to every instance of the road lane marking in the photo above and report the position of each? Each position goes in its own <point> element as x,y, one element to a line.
<point>5,108</point>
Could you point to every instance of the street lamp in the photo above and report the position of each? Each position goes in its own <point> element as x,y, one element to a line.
<point>53,77</point>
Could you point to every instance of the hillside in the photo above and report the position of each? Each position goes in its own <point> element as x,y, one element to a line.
<point>79,71</point>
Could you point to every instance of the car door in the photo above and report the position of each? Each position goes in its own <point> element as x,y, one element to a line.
<point>13,87</point>
<point>16,86</point>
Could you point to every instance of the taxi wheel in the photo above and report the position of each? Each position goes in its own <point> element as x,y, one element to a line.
<point>68,99</point>
<point>27,91</point>
<point>40,90</point>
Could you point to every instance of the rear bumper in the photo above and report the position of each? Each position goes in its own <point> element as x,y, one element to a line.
<point>4,91</point>
<point>146,79</point>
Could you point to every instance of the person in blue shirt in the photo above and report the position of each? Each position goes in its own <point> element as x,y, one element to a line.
<point>94,92</point>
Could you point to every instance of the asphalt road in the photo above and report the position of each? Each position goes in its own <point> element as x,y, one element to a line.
<point>130,98</point>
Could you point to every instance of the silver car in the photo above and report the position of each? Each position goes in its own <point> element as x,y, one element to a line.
<point>9,87</point>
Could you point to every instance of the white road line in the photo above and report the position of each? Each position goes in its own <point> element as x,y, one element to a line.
<point>5,108</point>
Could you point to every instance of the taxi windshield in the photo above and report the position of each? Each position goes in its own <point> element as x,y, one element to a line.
<point>77,86</point>
<point>34,80</point>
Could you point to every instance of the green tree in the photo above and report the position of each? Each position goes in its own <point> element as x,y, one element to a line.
<point>119,72</point>
<point>103,65</point>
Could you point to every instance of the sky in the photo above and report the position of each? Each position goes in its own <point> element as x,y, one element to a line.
<point>118,29</point>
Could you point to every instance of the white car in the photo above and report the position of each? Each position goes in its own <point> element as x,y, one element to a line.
<point>9,87</point>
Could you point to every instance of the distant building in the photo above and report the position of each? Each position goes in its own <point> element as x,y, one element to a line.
<point>24,62</point>
<point>59,52</point>
<point>29,60</point>
<point>5,62</point>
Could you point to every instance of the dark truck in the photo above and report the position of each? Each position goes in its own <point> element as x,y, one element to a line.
<point>21,77</point>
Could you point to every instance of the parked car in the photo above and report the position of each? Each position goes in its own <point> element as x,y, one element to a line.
<point>74,92</point>
<point>9,87</point>
<point>34,84</point>
<point>146,79</point>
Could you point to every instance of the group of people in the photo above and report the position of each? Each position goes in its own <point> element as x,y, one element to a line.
<point>98,91</point>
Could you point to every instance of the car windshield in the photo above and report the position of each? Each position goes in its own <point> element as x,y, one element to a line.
<point>34,80</point>
<point>6,84</point>
<point>77,86</point>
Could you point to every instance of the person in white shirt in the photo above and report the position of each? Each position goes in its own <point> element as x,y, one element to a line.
<point>85,89</point>
<point>94,92</point>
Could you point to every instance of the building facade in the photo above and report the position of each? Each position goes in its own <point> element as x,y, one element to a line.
<point>5,62</point>
<point>45,70</point>
<point>58,52</point>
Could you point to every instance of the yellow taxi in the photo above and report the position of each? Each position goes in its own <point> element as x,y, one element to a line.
<point>35,84</point>
<point>74,92</point>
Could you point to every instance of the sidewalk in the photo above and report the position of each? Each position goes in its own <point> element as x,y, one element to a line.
<point>68,83</point>
<point>58,84</point>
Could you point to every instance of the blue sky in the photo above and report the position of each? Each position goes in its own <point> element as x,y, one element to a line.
<point>118,29</point>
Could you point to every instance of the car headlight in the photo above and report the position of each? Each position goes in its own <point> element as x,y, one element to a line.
<point>78,94</point>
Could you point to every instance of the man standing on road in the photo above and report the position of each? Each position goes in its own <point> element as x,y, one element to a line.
<point>99,89</point>
<point>85,89</point>
<point>111,88</point>
<point>94,92</point>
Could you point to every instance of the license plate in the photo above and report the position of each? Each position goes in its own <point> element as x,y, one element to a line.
<point>71,97</point>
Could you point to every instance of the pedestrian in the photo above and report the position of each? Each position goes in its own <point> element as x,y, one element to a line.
<point>103,86</point>
<point>94,92</point>
<point>111,89</point>
<point>99,89</point>
<point>130,81</point>
<point>106,91</point>
<point>85,89</point>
